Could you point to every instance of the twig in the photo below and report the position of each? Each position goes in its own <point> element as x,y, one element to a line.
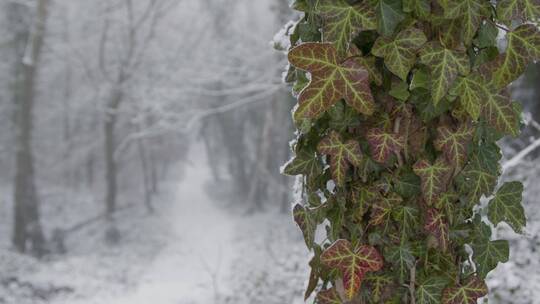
<point>519,157</point>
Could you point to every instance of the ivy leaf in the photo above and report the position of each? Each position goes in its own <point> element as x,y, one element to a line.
<point>379,285</point>
<point>353,264</point>
<point>305,220</point>
<point>382,144</point>
<point>329,296</point>
<point>429,291</point>
<point>407,217</point>
<point>402,258</point>
<point>453,144</point>
<point>341,155</point>
<point>509,10</point>
<point>472,92</point>
<point>381,210</point>
<point>363,196</point>
<point>434,178</point>
<point>407,184</point>
<point>487,254</point>
<point>342,22</point>
<point>445,66</point>
<point>331,80</point>
<point>467,293</point>
<point>306,162</point>
<point>389,15</point>
<point>506,206</point>
<point>421,8</point>
<point>479,177</point>
<point>501,114</point>
<point>523,47</point>
<point>470,13</point>
<point>399,53</point>
<point>437,226</point>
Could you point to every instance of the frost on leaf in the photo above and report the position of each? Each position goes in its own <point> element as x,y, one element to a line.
<point>399,53</point>
<point>437,226</point>
<point>342,22</point>
<point>341,155</point>
<point>383,144</point>
<point>331,80</point>
<point>353,263</point>
<point>434,178</point>
<point>467,293</point>
<point>506,206</point>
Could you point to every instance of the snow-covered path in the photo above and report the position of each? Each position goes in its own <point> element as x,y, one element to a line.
<point>198,252</point>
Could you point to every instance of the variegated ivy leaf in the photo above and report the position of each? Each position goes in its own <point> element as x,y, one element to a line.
<point>445,65</point>
<point>331,80</point>
<point>429,290</point>
<point>399,53</point>
<point>486,253</point>
<point>437,226</point>
<point>506,206</point>
<point>479,177</point>
<point>523,46</point>
<point>510,10</point>
<point>453,143</point>
<point>353,263</point>
<point>383,144</point>
<point>341,155</point>
<point>473,289</point>
<point>305,162</point>
<point>470,13</point>
<point>329,296</point>
<point>434,178</point>
<point>304,218</point>
<point>389,15</point>
<point>342,21</point>
<point>381,210</point>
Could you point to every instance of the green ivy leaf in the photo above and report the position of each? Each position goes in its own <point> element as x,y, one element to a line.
<point>487,253</point>
<point>402,258</point>
<point>420,8</point>
<point>342,22</point>
<point>470,14</point>
<point>331,80</point>
<point>379,285</point>
<point>445,66</point>
<point>478,178</point>
<point>437,226</point>
<point>510,10</point>
<point>353,263</point>
<point>341,155</point>
<point>304,218</point>
<point>408,219</point>
<point>407,184</point>
<point>383,144</point>
<point>434,178</point>
<point>389,15</point>
<point>329,296</point>
<point>429,291</point>
<point>506,206</point>
<point>467,293</point>
<point>399,53</point>
<point>306,162</point>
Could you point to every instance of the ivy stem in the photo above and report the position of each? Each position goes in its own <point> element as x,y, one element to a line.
<point>498,26</point>
<point>397,125</point>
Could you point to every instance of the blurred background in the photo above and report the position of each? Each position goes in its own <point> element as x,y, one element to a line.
<point>140,151</point>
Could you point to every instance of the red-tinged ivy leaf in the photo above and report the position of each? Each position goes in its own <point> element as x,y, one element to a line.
<point>467,293</point>
<point>368,62</point>
<point>383,144</point>
<point>304,218</point>
<point>506,206</point>
<point>429,290</point>
<point>342,22</point>
<point>331,80</point>
<point>314,263</point>
<point>434,178</point>
<point>469,12</point>
<point>381,210</point>
<point>341,155</point>
<point>329,296</point>
<point>523,46</point>
<point>510,10</point>
<point>353,263</point>
<point>445,65</point>
<point>437,226</point>
<point>453,143</point>
<point>399,53</point>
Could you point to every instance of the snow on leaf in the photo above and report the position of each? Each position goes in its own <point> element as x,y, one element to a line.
<point>453,143</point>
<point>383,144</point>
<point>329,296</point>
<point>304,218</point>
<point>434,178</point>
<point>469,12</point>
<point>342,22</point>
<point>341,155</point>
<point>399,53</point>
<point>331,80</point>
<point>437,226</point>
<point>506,206</point>
<point>445,66</point>
<point>429,291</point>
<point>467,293</point>
<point>353,263</point>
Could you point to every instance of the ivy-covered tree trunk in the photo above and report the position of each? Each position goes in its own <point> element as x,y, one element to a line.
<point>400,105</point>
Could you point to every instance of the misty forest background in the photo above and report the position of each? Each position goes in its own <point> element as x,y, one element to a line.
<point>140,151</point>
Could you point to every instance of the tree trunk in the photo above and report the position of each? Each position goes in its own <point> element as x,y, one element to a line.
<point>110,163</point>
<point>27,231</point>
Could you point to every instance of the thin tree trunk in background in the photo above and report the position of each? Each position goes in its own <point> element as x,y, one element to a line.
<point>110,163</point>
<point>27,232</point>
<point>145,172</point>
